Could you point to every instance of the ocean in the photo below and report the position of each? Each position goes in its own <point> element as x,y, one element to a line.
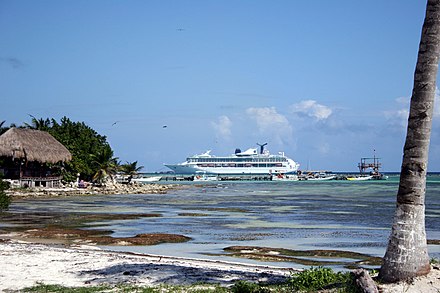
<point>299,215</point>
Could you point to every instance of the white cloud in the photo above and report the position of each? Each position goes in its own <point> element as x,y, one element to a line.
<point>437,103</point>
<point>272,124</point>
<point>324,148</point>
<point>400,115</point>
<point>404,101</point>
<point>223,127</point>
<point>312,109</point>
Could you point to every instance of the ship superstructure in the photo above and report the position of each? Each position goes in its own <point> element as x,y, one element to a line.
<point>248,162</point>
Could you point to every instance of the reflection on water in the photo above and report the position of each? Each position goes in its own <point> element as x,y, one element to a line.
<point>344,215</point>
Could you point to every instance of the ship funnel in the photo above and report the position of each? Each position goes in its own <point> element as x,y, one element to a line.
<point>262,147</point>
<point>237,151</point>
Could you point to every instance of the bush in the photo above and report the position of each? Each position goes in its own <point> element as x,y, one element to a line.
<point>5,200</point>
<point>248,287</point>
<point>319,278</point>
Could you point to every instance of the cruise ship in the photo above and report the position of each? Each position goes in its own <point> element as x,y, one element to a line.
<point>248,162</point>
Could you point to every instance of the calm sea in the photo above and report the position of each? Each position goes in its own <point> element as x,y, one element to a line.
<point>302,215</point>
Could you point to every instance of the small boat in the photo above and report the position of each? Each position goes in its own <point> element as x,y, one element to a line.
<point>204,177</point>
<point>322,178</point>
<point>360,178</point>
<point>317,176</point>
<point>146,179</point>
<point>284,177</point>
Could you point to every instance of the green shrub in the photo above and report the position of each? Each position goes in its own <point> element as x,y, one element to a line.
<point>248,287</point>
<point>122,288</point>
<point>5,200</point>
<point>40,287</point>
<point>319,278</point>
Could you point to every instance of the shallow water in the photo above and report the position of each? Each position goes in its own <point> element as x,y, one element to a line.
<point>341,215</point>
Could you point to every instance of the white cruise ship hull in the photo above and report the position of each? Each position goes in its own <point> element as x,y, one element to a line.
<point>191,169</point>
<point>247,162</point>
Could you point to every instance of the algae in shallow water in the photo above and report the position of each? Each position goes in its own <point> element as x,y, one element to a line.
<point>347,259</point>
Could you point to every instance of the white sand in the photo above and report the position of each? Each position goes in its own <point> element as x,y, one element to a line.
<point>426,284</point>
<point>25,264</point>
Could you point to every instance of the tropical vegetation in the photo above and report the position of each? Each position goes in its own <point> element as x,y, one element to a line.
<point>104,164</point>
<point>92,157</point>
<point>5,200</point>
<point>1,127</point>
<point>130,169</point>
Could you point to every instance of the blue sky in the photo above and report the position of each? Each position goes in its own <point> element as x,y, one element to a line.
<point>327,82</point>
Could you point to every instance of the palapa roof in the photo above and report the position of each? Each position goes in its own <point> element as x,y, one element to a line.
<point>33,145</point>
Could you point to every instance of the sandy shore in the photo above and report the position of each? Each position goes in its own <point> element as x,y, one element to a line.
<point>426,284</point>
<point>24,264</point>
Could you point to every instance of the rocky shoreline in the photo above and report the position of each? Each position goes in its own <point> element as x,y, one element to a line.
<point>114,188</point>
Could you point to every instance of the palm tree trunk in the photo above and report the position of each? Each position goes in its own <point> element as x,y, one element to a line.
<point>407,254</point>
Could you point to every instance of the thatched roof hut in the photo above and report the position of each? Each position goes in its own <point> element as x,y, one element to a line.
<point>32,145</point>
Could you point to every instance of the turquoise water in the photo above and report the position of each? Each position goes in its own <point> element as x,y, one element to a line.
<point>341,215</point>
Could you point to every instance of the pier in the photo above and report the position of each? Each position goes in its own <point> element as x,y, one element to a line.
<point>225,177</point>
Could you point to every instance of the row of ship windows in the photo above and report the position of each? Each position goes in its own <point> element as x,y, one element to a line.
<point>236,160</point>
<point>241,165</point>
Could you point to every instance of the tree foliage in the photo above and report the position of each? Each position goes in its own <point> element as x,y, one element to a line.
<point>130,169</point>
<point>105,164</point>
<point>86,145</point>
<point>39,124</point>
<point>92,156</point>
<point>5,200</point>
<point>3,128</point>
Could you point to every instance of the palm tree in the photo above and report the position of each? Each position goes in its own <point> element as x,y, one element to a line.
<point>407,254</point>
<point>5,200</point>
<point>130,169</point>
<point>38,124</point>
<point>3,129</point>
<point>105,164</point>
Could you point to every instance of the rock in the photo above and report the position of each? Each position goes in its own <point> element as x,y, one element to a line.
<point>114,188</point>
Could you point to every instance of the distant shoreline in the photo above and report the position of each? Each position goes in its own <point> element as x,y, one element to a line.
<point>116,188</point>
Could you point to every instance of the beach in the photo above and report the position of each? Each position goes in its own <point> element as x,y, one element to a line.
<point>26,264</point>
<point>213,219</point>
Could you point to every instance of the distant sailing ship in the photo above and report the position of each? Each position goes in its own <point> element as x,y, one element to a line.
<point>372,164</point>
<point>248,162</point>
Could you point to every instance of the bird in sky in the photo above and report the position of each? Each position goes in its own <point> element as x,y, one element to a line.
<point>114,123</point>
<point>165,126</point>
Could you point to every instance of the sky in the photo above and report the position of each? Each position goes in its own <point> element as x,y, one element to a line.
<point>326,82</point>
